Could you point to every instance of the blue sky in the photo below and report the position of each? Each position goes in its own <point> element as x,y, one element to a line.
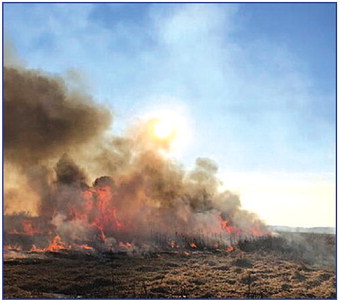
<point>255,82</point>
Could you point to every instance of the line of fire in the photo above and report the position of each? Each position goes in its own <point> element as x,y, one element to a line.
<point>95,218</point>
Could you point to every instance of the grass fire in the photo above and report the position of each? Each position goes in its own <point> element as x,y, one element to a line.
<point>123,220</point>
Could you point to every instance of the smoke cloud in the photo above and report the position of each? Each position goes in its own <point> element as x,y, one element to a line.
<point>41,119</point>
<point>91,186</point>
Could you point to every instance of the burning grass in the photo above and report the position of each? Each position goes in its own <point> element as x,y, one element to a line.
<point>263,268</point>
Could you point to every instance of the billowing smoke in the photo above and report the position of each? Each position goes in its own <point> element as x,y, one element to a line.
<point>42,119</point>
<point>90,186</point>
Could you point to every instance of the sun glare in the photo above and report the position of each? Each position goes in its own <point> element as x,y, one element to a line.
<point>170,130</point>
<point>163,129</point>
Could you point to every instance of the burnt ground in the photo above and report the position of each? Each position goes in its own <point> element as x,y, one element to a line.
<point>265,268</point>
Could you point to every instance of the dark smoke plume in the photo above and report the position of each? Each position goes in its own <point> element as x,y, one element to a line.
<point>42,119</point>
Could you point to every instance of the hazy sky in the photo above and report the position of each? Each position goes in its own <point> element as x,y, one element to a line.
<point>255,84</point>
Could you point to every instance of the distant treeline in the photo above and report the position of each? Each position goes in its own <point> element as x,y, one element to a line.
<point>328,230</point>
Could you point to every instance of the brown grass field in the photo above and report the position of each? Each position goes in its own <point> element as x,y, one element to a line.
<point>289,266</point>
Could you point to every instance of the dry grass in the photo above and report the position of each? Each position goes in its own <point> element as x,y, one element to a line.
<point>250,271</point>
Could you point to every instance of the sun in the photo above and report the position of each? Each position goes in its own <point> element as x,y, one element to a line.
<point>168,130</point>
<point>163,129</point>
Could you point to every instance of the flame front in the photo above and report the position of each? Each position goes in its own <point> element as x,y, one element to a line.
<point>55,246</point>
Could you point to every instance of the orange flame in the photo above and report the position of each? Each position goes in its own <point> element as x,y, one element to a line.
<point>127,244</point>
<point>228,228</point>
<point>84,246</point>
<point>173,244</point>
<point>230,249</point>
<point>13,248</point>
<point>55,246</point>
<point>224,224</point>
<point>36,249</point>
